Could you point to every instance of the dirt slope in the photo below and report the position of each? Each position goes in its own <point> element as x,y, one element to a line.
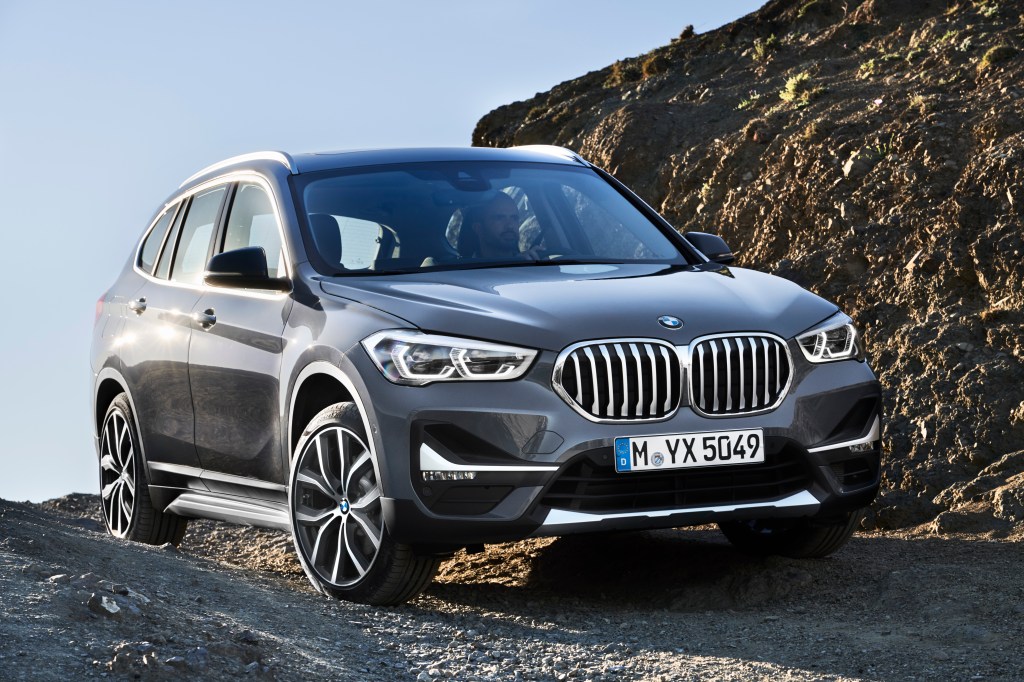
<point>872,151</point>
<point>671,605</point>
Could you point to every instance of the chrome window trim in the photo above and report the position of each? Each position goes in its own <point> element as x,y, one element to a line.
<point>556,377</point>
<point>235,176</point>
<point>732,335</point>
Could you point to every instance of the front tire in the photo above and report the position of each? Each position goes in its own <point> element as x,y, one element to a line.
<point>128,511</point>
<point>796,538</point>
<point>334,497</point>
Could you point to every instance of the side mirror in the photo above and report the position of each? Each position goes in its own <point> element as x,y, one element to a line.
<point>712,246</point>
<point>244,268</point>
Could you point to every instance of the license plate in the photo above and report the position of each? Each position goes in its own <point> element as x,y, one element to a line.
<point>689,450</point>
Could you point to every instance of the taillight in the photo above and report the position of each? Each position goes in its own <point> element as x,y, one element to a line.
<point>99,307</point>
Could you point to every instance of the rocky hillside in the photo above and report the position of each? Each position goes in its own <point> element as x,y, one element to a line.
<point>871,150</point>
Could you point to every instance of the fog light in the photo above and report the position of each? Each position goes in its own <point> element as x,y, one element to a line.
<point>449,475</point>
<point>863,447</point>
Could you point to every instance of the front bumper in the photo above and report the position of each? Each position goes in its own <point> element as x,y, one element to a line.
<point>520,462</point>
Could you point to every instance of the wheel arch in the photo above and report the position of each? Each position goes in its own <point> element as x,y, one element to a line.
<point>319,385</point>
<point>108,385</point>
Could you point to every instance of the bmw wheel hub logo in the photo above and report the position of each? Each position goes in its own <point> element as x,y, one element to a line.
<point>670,322</point>
<point>344,506</point>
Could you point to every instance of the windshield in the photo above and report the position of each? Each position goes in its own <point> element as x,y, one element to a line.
<point>450,215</point>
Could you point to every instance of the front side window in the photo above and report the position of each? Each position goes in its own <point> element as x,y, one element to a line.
<point>252,222</point>
<point>155,238</point>
<point>196,233</point>
<point>473,214</point>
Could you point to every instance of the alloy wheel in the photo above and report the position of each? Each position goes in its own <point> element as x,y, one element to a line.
<point>336,506</point>
<point>117,474</point>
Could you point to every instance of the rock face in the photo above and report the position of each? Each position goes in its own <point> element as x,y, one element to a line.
<point>872,151</point>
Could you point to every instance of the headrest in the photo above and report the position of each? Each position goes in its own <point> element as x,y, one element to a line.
<point>327,236</point>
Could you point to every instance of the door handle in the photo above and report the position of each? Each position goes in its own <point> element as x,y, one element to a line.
<point>138,306</point>
<point>205,319</point>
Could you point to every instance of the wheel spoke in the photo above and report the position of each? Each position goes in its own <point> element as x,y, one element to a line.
<point>344,453</point>
<point>322,456</point>
<point>315,519</point>
<point>108,464</point>
<point>338,563</point>
<point>366,500</point>
<point>109,488</point>
<point>121,454</point>
<point>354,555</point>
<point>130,485</point>
<point>362,461</point>
<point>316,545</point>
<point>320,484</point>
<point>372,533</point>
<point>106,439</point>
<point>126,508</point>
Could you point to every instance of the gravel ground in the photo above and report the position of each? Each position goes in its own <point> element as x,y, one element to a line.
<point>669,605</point>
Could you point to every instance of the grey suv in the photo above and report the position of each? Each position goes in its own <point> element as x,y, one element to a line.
<point>396,354</point>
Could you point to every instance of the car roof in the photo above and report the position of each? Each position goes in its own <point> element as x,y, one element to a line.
<point>277,162</point>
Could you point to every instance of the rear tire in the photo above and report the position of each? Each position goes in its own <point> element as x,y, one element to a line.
<point>128,511</point>
<point>796,538</point>
<point>334,499</point>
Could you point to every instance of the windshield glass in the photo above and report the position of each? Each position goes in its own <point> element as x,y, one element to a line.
<point>473,214</point>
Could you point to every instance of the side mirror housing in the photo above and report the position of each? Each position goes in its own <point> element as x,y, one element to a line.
<point>712,246</point>
<point>244,268</point>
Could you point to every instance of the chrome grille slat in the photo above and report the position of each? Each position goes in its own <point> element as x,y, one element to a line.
<point>593,372</point>
<point>610,386</point>
<point>743,385</point>
<point>639,378</point>
<point>625,379</point>
<point>654,373</point>
<point>742,365</point>
<point>668,372</point>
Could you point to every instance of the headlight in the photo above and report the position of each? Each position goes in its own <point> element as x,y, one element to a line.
<point>834,339</point>
<point>415,358</point>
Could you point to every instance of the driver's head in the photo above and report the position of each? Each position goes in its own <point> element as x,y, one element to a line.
<point>496,226</point>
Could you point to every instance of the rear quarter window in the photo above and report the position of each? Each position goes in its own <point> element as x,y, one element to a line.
<point>154,240</point>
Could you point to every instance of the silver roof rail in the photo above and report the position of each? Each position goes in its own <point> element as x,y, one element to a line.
<point>555,150</point>
<point>282,158</point>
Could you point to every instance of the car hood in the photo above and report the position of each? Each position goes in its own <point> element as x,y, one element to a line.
<point>550,307</point>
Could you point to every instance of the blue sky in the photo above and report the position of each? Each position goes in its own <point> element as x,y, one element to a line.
<point>108,106</point>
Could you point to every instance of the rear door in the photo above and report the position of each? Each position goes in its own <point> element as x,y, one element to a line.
<point>155,356</point>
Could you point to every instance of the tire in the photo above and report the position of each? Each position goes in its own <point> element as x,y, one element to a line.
<point>128,512</point>
<point>796,538</point>
<point>334,500</point>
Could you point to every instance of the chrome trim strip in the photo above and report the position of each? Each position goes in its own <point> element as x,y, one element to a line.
<point>282,158</point>
<point>231,510</point>
<point>873,435</point>
<point>196,472</point>
<point>431,460</point>
<point>243,480</point>
<point>562,517</point>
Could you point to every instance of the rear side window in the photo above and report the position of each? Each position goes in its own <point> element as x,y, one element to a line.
<point>151,246</point>
<point>196,232</point>
<point>252,223</point>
